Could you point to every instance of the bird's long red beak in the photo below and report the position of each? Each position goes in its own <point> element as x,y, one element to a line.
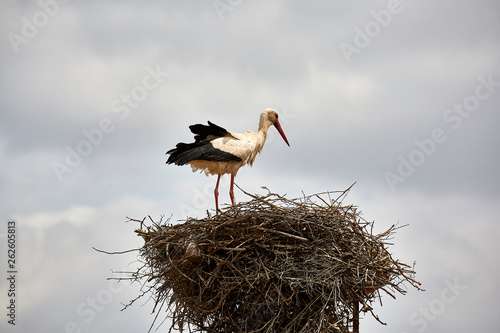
<point>278,127</point>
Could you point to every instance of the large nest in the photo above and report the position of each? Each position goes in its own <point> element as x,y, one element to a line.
<point>270,265</point>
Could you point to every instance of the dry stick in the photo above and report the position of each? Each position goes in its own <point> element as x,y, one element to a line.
<point>326,203</point>
<point>118,252</point>
<point>260,199</point>
<point>280,233</point>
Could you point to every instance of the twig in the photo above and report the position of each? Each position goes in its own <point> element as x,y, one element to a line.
<point>280,233</point>
<point>118,252</point>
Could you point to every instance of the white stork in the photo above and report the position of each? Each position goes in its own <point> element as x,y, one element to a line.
<point>217,151</point>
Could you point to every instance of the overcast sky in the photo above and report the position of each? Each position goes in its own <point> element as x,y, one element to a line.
<point>401,97</point>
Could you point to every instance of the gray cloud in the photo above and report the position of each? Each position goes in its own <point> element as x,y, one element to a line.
<point>350,118</point>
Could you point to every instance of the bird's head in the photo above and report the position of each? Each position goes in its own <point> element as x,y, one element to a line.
<point>270,117</point>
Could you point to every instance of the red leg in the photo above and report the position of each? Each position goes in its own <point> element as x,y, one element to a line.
<point>231,190</point>
<point>216,194</point>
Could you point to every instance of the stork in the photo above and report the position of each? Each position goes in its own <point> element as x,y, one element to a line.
<point>217,151</point>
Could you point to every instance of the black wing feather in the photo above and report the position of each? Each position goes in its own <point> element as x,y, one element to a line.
<point>203,131</point>
<point>187,152</point>
<point>202,148</point>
